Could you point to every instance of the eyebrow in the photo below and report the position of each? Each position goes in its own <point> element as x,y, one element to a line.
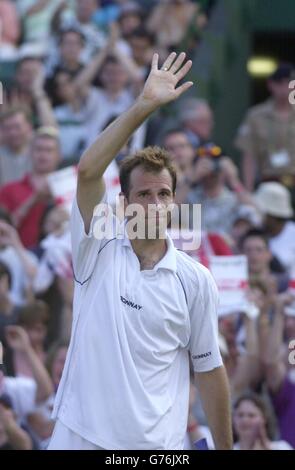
<point>147,190</point>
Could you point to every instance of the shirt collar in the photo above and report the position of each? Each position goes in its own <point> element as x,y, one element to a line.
<point>169,259</point>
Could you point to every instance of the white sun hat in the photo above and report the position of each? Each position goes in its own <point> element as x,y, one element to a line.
<point>274,199</point>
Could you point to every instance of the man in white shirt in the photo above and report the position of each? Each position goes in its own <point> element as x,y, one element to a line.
<point>140,306</point>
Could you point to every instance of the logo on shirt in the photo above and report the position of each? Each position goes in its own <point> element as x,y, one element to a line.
<point>201,356</point>
<point>130,304</point>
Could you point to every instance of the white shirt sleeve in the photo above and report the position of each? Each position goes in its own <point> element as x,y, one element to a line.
<point>86,247</point>
<point>204,345</point>
<point>22,392</point>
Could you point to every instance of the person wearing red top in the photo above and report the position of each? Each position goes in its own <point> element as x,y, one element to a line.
<point>27,199</point>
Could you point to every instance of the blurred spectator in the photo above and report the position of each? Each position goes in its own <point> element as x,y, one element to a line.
<point>24,392</point>
<point>21,263</point>
<point>280,377</point>
<point>16,135</point>
<point>274,201</point>
<point>170,20</point>
<point>182,153</point>
<point>255,246</point>
<point>114,96</point>
<point>84,18</point>
<point>75,116</point>
<point>68,56</point>
<point>8,311</point>
<point>197,120</point>
<point>9,27</point>
<point>266,138</point>
<point>26,199</point>
<point>12,436</point>
<point>241,352</point>
<point>33,318</point>
<point>40,423</point>
<point>36,16</point>
<point>142,45</point>
<point>219,203</point>
<point>130,19</point>
<point>253,425</point>
<point>246,218</point>
<point>56,265</point>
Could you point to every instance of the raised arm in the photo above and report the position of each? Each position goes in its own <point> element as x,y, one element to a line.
<point>160,88</point>
<point>272,357</point>
<point>18,340</point>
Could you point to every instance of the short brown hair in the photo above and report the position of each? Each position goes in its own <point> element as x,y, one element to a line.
<point>32,313</point>
<point>151,159</point>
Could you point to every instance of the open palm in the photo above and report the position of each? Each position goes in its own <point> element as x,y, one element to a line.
<point>161,85</point>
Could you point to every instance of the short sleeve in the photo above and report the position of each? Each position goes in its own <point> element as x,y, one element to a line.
<point>85,247</point>
<point>203,344</point>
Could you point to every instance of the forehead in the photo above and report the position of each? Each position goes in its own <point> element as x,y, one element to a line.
<point>255,241</point>
<point>143,179</point>
<point>45,142</point>
<point>248,405</point>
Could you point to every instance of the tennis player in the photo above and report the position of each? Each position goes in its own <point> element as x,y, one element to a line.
<point>141,307</point>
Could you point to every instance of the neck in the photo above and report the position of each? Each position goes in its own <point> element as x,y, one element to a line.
<point>149,252</point>
<point>283,105</point>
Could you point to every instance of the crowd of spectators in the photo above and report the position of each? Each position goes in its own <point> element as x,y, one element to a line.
<point>69,68</point>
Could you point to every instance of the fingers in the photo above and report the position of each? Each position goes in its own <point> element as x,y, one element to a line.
<point>181,89</point>
<point>155,62</point>
<point>169,61</point>
<point>178,63</point>
<point>184,70</point>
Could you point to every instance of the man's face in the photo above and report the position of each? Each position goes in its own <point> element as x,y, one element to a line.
<point>279,89</point>
<point>258,254</point>
<point>26,73</point>
<point>114,77</point>
<point>202,124</point>
<point>45,155</point>
<point>16,131</point>
<point>71,47</point>
<point>153,193</point>
<point>129,22</point>
<point>180,149</point>
<point>141,49</point>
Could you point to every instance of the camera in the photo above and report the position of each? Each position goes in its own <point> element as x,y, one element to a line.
<point>212,151</point>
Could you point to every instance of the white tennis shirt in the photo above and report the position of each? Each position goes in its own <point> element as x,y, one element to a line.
<point>125,383</point>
